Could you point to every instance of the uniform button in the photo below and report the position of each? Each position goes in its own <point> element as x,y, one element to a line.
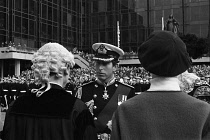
<point>96,86</point>
<point>116,85</point>
<point>94,107</point>
<point>95,118</point>
<point>94,95</point>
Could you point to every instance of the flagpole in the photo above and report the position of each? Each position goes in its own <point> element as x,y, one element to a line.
<point>118,34</point>
<point>162,23</point>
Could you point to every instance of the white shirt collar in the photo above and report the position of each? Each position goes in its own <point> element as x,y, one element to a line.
<point>164,84</point>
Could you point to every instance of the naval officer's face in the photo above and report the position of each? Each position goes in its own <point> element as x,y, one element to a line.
<point>104,70</point>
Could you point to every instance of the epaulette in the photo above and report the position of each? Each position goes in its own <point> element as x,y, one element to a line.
<point>86,84</point>
<point>127,85</point>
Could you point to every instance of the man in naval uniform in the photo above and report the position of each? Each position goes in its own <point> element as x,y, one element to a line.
<point>101,96</point>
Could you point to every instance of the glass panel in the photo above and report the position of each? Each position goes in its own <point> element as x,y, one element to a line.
<point>133,18</point>
<point>64,18</point>
<point>158,16</point>
<point>101,22</point>
<point>43,30</point>
<point>194,13</point>
<point>32,4</point>
<point>49,13</point>
<point>95,37</point>
<point>102,37</point>
<point>124,20</point>
<point>110,37</point>
<point>65,35</point>
<point>31,27</point>
<point>69,20</point>
<point>141,3</point>
<point>110,5</point>
<point>109,20</point>
<point>49,32</point>
<point>2,20</point>
<point>55,13</point>
<point>17,4</point>
<point>133,36</point>
<point>65,3</point>
<point>176,1</point>
<point>55,35</point>
<point>101,5</point>
<point>124,4</point>
<point>95,6</point>
<point>44,11</point>
<point>25,6</point>
<point>204,12</point>
<point>25,26</point>
<point>124,36</point>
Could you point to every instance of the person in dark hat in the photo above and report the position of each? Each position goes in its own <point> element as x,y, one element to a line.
<point>163,111</point>
<point>101,96</point>
<point>50,112</point>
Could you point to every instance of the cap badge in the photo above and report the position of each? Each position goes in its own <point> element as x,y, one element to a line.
<point>102,49</point>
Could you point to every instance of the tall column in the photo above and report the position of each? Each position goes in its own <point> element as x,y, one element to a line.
<point>17,67</point>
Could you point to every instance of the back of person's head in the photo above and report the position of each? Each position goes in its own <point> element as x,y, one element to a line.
<point>51,59</point>
<point>164,54</point>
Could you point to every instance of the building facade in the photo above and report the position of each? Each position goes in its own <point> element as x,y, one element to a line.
<point>80,23</point>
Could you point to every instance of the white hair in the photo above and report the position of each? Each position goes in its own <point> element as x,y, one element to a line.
<point>51,58</point>
<point>187,81</point>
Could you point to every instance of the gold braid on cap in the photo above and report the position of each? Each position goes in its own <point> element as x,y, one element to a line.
<point>51,57</point>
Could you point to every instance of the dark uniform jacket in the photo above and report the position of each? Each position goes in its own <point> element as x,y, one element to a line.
<point>56,115</point>
<point>101,106</point>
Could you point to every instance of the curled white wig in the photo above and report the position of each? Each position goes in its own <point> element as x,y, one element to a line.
<point>51,58</point>
<point>187,81</point>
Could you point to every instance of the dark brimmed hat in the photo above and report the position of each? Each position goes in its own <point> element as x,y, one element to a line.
<point>106,52</point>
<point>164,54</point>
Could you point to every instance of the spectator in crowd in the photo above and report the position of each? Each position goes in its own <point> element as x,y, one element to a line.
<point>101,96</point>
<point>49,112</point>
<point>163,111</point>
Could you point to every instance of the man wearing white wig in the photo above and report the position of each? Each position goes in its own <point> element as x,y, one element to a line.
<point>49,113</point>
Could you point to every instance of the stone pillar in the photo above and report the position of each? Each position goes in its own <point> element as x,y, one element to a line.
<point>17,67</point>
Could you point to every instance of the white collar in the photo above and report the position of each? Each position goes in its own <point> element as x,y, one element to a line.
<point>164,84</point>
<point>111,81</point>
<point>55,83</point>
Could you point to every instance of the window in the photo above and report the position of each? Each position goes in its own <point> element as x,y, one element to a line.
<point>64,18</point>
<point>158,16</point>
<point>49,30</point>
<point>55,13</point>
<point>25,6</point>
<point>24,26</point>
<point>124,20</point>
<point>101,5</point>
<point>55,34</point>
<point>32,4</point>
<point>43,30</point>
<point>101,22</point>
<point>133,18</point>
<point>44,11</point>
<point>17,4</point>
<point>95,6</point>
<point>49,13</point>
<point>31,27</point>
<point>133,35</point>
<point>69,20</point>
<point>2,20</point>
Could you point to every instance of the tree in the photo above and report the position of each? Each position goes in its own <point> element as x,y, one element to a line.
<point>196,47</point>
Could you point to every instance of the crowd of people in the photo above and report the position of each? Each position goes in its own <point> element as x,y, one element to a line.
<point>109,102</point>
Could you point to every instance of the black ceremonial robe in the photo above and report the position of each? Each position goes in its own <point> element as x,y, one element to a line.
<point>56,115</point>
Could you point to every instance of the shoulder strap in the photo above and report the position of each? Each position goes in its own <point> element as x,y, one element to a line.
<point>106,114</point>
